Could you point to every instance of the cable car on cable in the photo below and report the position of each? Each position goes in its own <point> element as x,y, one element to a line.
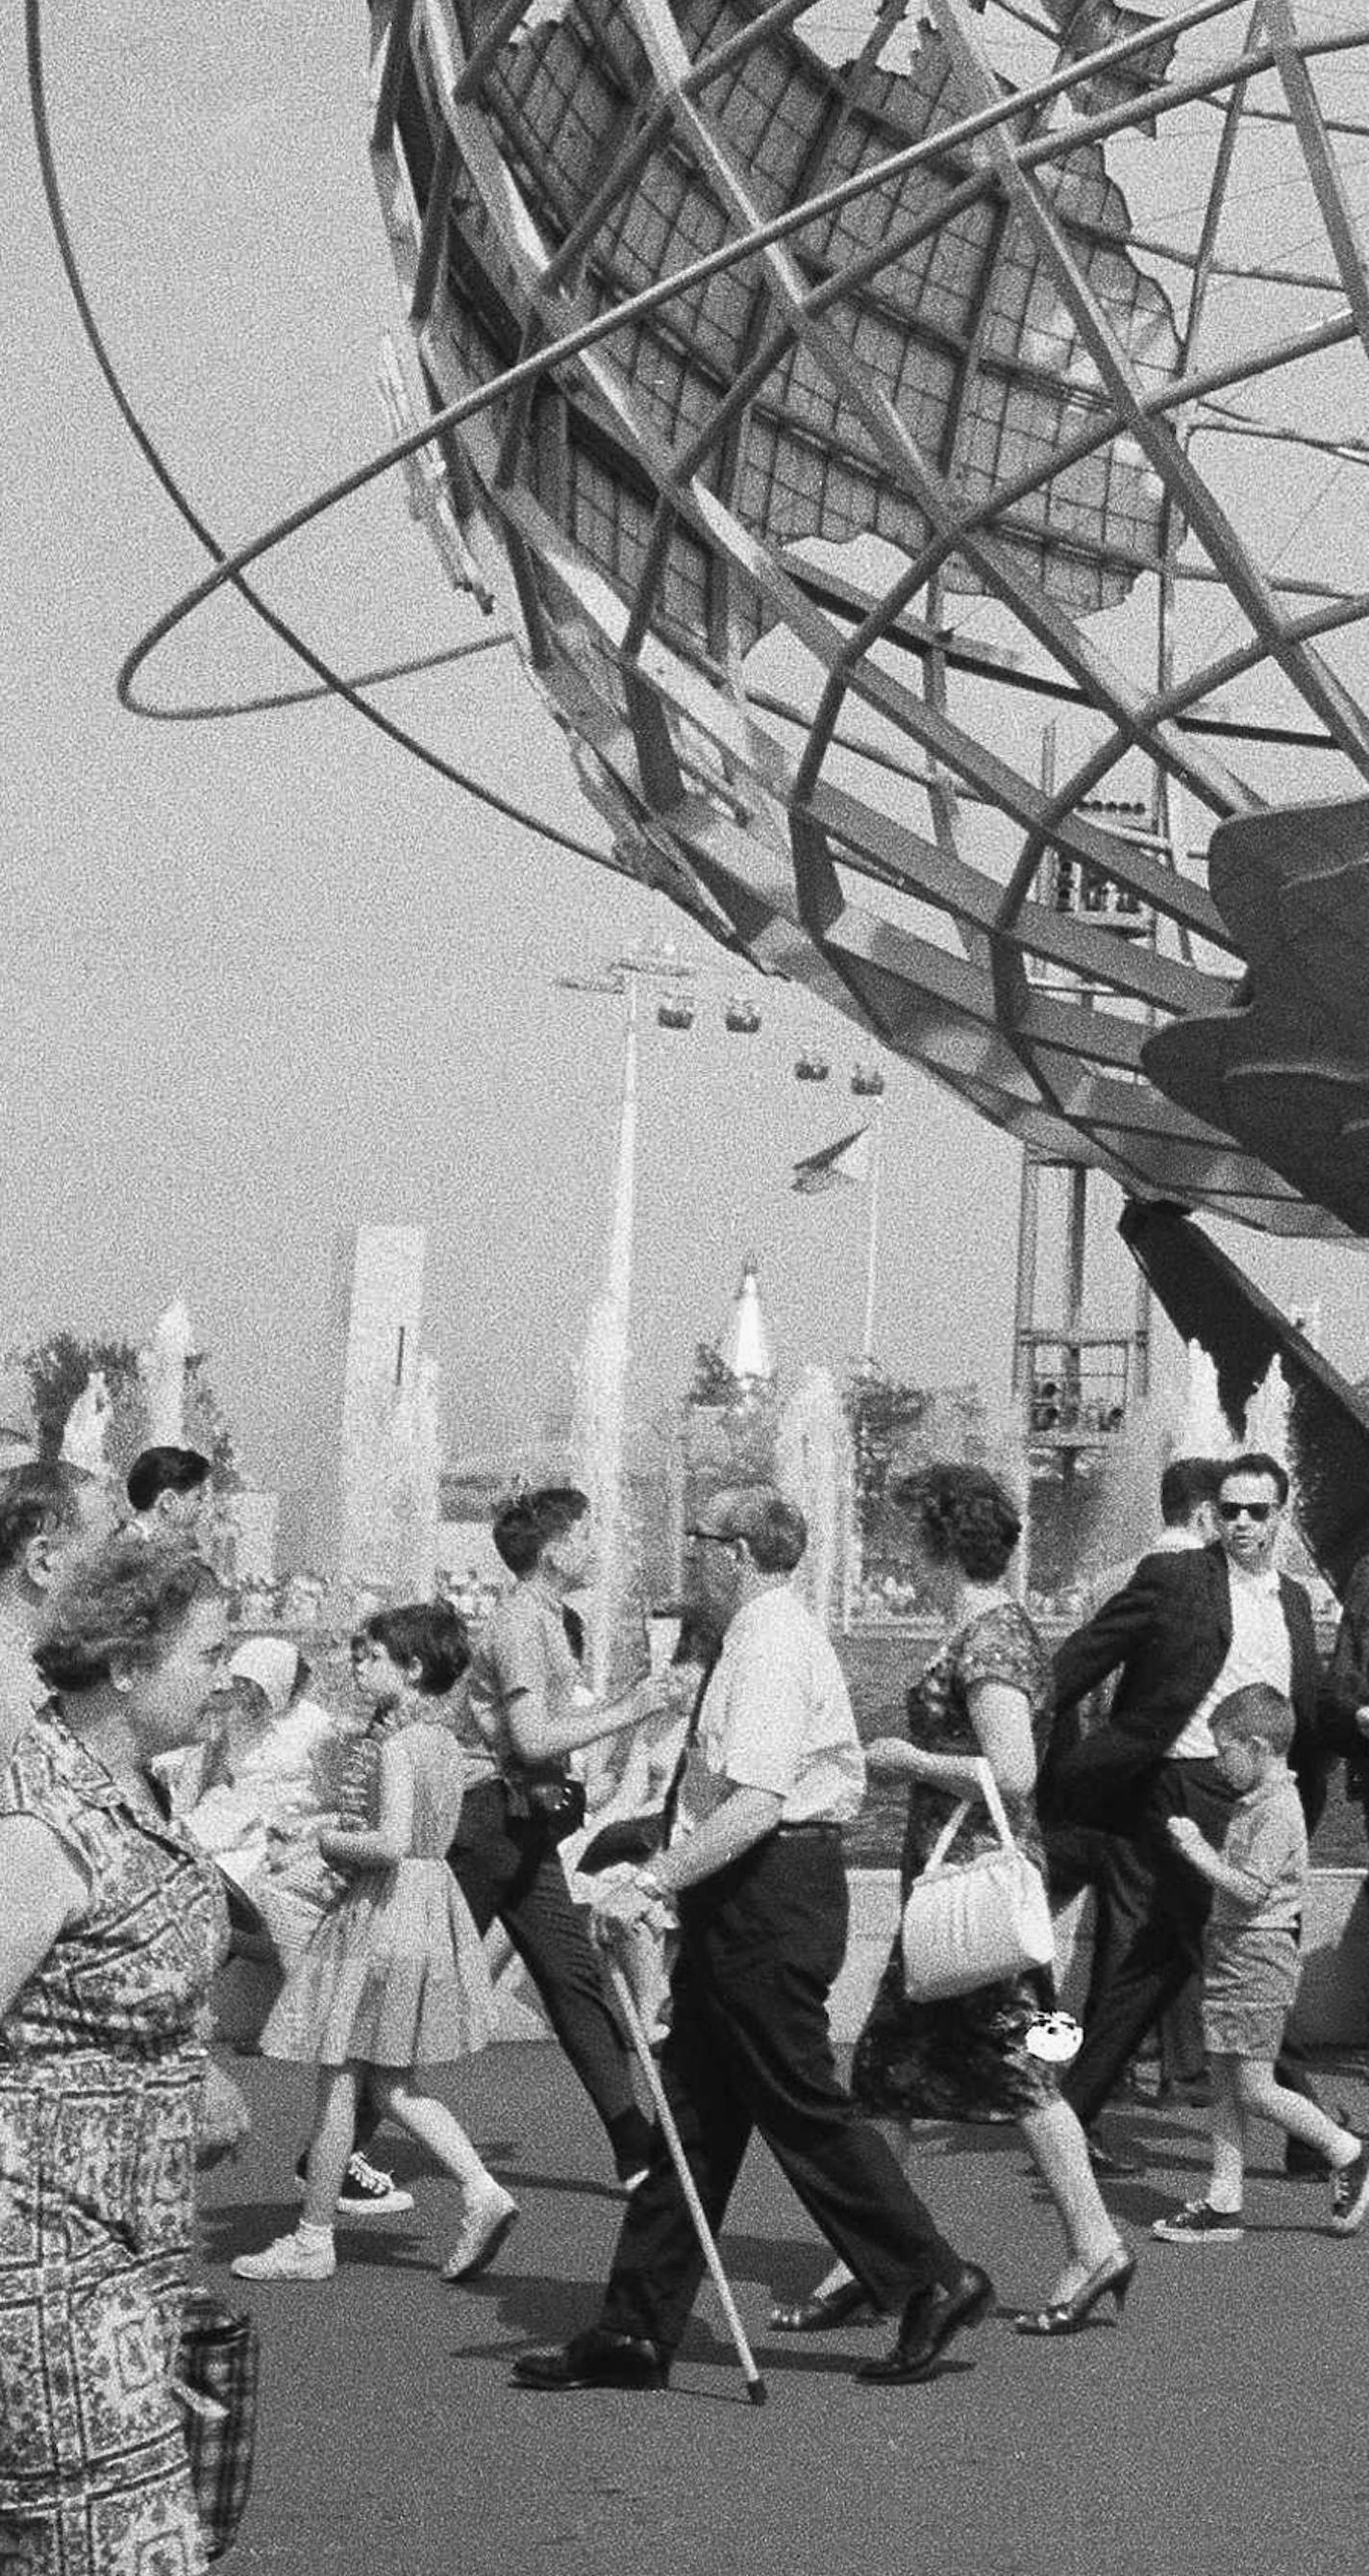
<point>741,1017</point>
<point>811,1068</point>
<point>867,1082</point>
<point>678,1014</point>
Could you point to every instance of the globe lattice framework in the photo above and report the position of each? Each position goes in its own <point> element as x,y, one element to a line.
<point>931,376</point>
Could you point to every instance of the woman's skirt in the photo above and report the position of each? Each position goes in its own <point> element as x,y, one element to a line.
<point>96,2167</point>
<point>963,2059</point>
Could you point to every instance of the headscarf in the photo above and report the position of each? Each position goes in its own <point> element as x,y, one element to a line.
<point>273,1663</point>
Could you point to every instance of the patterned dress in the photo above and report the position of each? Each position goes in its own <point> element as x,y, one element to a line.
<point>965,2058</point>
<point>101,2077</point>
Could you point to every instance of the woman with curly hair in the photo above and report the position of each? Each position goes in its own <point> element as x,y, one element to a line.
<point>984,1696</point>
<point>110,1927</point>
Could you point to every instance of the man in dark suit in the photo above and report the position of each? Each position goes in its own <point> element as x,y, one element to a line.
<point>1348,1673</point>
<point>1183,1632</point>
<point>1082,1855</point>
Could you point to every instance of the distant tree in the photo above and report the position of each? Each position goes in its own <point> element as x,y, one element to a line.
<point>57,1370</point>
<point>889,1422</point>
<point>206,1424</point>
<point>1066,1491</point>
<point>713,1382</point>
<point>730,1429</point>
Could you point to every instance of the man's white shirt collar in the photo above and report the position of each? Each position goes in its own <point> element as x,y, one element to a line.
<point>1268,1581</point>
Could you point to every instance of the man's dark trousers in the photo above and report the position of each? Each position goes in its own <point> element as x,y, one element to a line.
<point>508,1868</point>
<point>1168,1946</point>
<point>1120,1878</point>
<point>762,1942</point>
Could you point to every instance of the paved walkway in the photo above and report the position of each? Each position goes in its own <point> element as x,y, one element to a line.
<point>1224,2431</point>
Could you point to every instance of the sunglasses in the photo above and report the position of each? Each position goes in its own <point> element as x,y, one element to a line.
<point>1245,1511</point>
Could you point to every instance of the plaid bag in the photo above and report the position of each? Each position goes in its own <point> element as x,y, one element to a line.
<point>214,2383</point>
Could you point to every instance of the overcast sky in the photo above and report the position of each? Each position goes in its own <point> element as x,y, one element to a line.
<point>267,979</point>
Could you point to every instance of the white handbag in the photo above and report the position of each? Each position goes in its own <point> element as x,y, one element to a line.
<point>976,1922</point>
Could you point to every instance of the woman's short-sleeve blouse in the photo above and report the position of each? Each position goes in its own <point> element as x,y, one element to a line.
<point>128,1977</point>
<point>1000,1645</point>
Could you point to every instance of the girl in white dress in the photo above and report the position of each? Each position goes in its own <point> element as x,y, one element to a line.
<point>393,1980</point>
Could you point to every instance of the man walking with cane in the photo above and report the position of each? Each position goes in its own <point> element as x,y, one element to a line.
<point>760,1889</point>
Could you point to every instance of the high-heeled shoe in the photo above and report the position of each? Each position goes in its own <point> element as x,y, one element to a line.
<point>1112,2278</point>
<point>846,2305</point>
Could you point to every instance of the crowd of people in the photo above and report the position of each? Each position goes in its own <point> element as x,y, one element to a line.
<point>166,1796</point>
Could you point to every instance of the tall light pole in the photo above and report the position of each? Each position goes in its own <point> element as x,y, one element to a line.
<point>868,1084</point>
<point>867,1340</point>
<point>601,1393</point>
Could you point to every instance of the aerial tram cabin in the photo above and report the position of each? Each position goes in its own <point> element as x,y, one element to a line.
<point>741,1018</point>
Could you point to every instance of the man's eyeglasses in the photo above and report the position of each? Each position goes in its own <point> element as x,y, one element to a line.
<point>711,1538</point>
<point>1245,1511</point>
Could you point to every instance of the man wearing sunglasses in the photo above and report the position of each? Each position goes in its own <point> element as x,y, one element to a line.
<point>1184,1631</point>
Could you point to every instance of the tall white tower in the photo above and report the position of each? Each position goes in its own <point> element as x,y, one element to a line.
<point>746,1344</point>
<point>388,1464</point>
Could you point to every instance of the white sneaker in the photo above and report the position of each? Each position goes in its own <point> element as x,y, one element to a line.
<point>286,2260</point>
<point>487,2220</point>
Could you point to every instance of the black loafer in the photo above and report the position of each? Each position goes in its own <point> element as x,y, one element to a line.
<point>595,2359</point>
<point>929,2321</point>
<point>847,2305</point>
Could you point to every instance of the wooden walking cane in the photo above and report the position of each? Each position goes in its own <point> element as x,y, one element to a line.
<point>755,2386</point>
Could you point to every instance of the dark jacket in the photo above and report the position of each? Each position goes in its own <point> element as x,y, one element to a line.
<point>1348,1678</point>
<point>1168,1631</point>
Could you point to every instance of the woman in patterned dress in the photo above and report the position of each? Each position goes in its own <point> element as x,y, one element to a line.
<point>110,1927</point>
<point>985,1695</point>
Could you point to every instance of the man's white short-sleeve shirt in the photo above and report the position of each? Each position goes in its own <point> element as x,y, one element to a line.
<point>777,1715</point>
